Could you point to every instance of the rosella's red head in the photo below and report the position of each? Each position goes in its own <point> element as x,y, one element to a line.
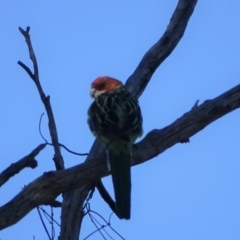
<point>104,84</point>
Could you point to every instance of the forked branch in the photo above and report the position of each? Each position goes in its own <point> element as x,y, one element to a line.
<point>58,159</point>
<point>46,188</point>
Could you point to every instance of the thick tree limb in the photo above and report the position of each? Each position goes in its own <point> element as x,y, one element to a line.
<point>27,161</point>
<point>72,212</point>
<point>46,188</point>
<point>136,84</point>
<point>138,81</point>
<point>152,59</point>
<point>58,159</point>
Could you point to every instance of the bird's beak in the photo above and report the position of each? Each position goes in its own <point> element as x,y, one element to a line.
<point>92,92</point>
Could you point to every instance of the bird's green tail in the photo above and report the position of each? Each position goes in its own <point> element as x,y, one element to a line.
<point>119,160</point>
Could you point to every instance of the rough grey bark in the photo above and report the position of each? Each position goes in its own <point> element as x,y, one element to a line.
<point>136,84</point>
<point>76,182</point>
<point>46,188</point>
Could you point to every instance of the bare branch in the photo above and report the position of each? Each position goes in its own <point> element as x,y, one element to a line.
<point>43,223</point>
<point>46,188</point>
<point>27,161</point>
<point>138,81</point>
<point>58,159</point>
<point>106,196</point>
<point>73,152</point>
<point>60,144</point>
<point>136,84</point>
<point>195,104</point>
<point>27,69</point>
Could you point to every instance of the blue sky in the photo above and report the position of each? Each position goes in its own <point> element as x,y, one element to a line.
<point>190,191</point>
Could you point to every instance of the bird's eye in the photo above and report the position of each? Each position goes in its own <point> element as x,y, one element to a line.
<point>102,85</point>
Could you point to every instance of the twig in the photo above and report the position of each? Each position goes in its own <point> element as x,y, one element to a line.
<point>58,159</point>
<point>195,105</point>
<point>52,223</point>
<point>43,210</point>
<point>98,229</point>
<point>60,144</point>
<point>108,223</point>
<point>40,130</point>
<point>70,151</point>
<point>27,161</point>
<point>106,196</point>
<point>43,223</point>
<point>103,227</point>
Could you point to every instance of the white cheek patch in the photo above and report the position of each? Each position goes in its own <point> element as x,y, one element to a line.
<point>92,91</point>
<point>97,93</point>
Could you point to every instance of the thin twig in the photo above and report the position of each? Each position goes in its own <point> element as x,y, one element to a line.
<point>27,69</point>
<point>52,224</point>
<point>108,223</point>
<point>40,130</point>
<point>98,229</point>
<point>102,226</point>
<point>106,196</point>
<point>60,144</point>
<point>43,223</point>
<point>195,105</point>
<point>45,212</point>
<point>70,151</point>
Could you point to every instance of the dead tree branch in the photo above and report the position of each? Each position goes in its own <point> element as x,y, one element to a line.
<point>136,84</point>
<point>152,59</point>
<point>58,159</point>
<point>27,161</point>
<point>46,188</point>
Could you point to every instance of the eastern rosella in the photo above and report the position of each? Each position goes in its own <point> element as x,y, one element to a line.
<point>115,119</point>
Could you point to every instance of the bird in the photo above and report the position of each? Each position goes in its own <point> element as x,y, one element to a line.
<point>115,119</point>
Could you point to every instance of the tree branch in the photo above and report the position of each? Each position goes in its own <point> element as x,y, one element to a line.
<point>15,168</point>
<point>106,196</point>
<point>138,81</point>
<point>152,59</point>
<point>46,188</point>
<point>58,159</point>
<point>136,84</point>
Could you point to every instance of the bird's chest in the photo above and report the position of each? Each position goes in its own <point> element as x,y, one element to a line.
<point>108,115</point>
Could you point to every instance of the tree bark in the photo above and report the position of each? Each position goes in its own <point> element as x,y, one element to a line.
<point>136,84</point>
<point>46,188</point>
